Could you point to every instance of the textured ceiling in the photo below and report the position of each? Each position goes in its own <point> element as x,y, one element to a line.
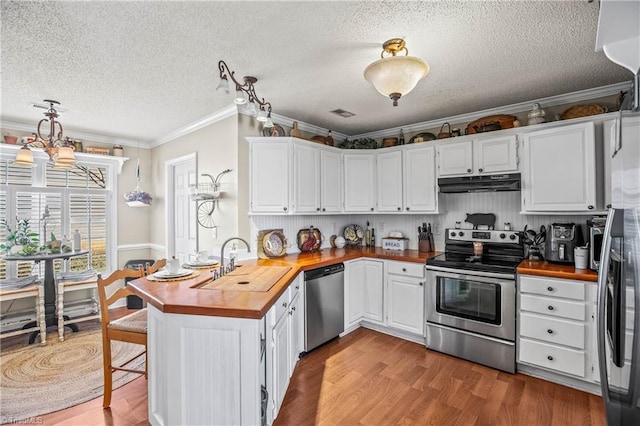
<point>140,70</point>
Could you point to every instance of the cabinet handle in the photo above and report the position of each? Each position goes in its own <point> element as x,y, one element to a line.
<point>550,331</point>
<point>550,288</point>
<point>608,206</point>
<point>480,170</point>
<point>400,208</point>
<point>284,305</point>
<point>550,358</point>
<point>590,207</point>
<point>293,308</point>
<point>290,312</point>
<point>550,308</point>
<point>284,208</point>
<point>468,170</point>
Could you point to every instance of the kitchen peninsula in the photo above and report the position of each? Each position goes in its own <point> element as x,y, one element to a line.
<point>209,358</point>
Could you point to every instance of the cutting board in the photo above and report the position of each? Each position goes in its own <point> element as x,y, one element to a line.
<point>249,278</point>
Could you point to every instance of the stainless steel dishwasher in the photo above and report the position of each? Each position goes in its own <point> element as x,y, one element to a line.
<point>324,305</point>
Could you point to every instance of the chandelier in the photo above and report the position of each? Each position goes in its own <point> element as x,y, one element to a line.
<point>245,94</point>
<point>395,76</point>
<point>58,148</point>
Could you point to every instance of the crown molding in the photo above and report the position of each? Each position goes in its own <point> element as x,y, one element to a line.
<point>306,127</point>
<point>93,137</point>
<point>227,111</point>
<point>582,95</point>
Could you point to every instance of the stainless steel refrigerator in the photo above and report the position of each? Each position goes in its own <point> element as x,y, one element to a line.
<point>619,279</point>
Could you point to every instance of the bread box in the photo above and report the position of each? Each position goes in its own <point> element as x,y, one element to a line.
<point>390,243</point>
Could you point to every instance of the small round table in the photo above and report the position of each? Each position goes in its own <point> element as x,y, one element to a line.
<point>51,317</point>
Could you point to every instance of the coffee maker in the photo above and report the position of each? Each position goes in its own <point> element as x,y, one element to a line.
<point>562,238</point>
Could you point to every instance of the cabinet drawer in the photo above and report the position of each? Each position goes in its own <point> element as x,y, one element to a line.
<point>282,304</point>
<point>552,287</point>
<point>405,268</point>
<point>552,357</point>
<point>553,330</point>
<point>554,307</point>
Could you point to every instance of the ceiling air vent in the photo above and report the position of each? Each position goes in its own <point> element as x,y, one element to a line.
<point>342,113</point>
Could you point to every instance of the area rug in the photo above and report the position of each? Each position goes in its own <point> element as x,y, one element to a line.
<point>39,380</point>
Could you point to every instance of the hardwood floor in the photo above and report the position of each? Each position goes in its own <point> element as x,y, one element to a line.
<point>370,378</point>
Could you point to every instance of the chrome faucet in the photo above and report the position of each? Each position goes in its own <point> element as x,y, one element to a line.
<point>222,250</point>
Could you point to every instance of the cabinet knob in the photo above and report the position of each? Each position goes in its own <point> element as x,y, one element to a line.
<point>371,208</point>
<point>284,208</point>
<point>297,287</point>
<point>317,209</point>
<point>407,208</point>
<point>290,312</point>
<point>550,308</point>
<point>293,308</point>
<point>284,304</point>
<point>421,283</point>
<point>550,358</point>
<point>400,208</point>
<point>608,206</point>
<point>468,170</point>
<point>404,269</point>
<point>480,170</point>
<point>590,207</point>
<point>324,210</point>
<point>550,331</point>
<point>549,288</point>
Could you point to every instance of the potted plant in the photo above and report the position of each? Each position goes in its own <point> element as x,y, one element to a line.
<point>22,241</point>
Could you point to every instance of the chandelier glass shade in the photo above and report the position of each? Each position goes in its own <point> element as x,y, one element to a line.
<point>395,76</point>
<point>24,157</point>
<point>245,94</point>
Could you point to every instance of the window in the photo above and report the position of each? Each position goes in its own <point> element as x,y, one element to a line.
<point>58,202</point>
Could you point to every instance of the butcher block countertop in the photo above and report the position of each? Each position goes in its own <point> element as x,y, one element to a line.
<point>554,270</point>
<point>184,297</point>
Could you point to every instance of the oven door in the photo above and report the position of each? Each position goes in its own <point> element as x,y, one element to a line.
<point>473,301</point>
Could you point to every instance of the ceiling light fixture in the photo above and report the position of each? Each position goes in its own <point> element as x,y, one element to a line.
<point>59,148</point>
<point>245,93</point>
<point>395,76</point>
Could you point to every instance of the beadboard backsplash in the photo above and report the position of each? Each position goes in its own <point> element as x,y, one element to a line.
<point>505,205</point>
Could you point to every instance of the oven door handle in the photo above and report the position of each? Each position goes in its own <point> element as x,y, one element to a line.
<point>457,273</point>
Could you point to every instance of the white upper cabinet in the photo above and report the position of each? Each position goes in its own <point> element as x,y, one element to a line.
<point>496,155</point>
<point>455,158</point>
<point>389,167</point>
<point>306,178</point>
<point>359,182</point>
<point>560,169</point>
<point>420,192</point>
<point>330,181</point>
<point>480,156</point>
<point>270,177</point>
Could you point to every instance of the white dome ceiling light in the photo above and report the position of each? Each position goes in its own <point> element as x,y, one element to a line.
<point>395,76</point>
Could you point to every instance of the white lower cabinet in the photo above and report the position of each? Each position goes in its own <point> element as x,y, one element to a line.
<point>353,293</point>
<point>405,304</point>
<point>364,292</point>
<point>373,291</point>
<point>556,326</point>
<point>285,331</point>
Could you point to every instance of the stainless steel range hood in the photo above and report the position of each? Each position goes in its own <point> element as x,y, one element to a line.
<point>488,183</point>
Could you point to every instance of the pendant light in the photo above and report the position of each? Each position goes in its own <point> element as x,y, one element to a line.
<point>395,76</point>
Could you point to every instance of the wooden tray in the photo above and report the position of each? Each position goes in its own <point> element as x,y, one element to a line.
<point>506,122</point>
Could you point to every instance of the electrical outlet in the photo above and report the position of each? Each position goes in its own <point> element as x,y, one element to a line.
<point>214,232</point>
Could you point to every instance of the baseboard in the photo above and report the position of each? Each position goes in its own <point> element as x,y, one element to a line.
<point>559,379</point>
<point>386,330</point>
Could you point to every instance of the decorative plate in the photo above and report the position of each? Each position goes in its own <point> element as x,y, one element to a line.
<point>274,131</point>
<point>353,234</point>
<point>274,244</point>
<point>201,264</point>
<point>425,137</point>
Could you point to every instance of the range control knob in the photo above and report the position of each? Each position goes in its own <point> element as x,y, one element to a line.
<point>461,234</point>
<point>512,236</point>
<point>503,236</point>
<point>453,234</point>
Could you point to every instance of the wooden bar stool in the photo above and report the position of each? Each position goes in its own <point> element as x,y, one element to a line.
<point>131,328</point>
<point>35,291</point>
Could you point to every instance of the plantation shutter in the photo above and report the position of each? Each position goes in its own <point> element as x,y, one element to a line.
<point>88,214</point>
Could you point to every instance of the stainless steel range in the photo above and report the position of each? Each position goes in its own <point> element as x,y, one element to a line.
<point>471,297</point>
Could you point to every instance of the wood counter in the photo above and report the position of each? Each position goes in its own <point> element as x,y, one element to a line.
<point>554,270</point>
<point>183,297</point>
